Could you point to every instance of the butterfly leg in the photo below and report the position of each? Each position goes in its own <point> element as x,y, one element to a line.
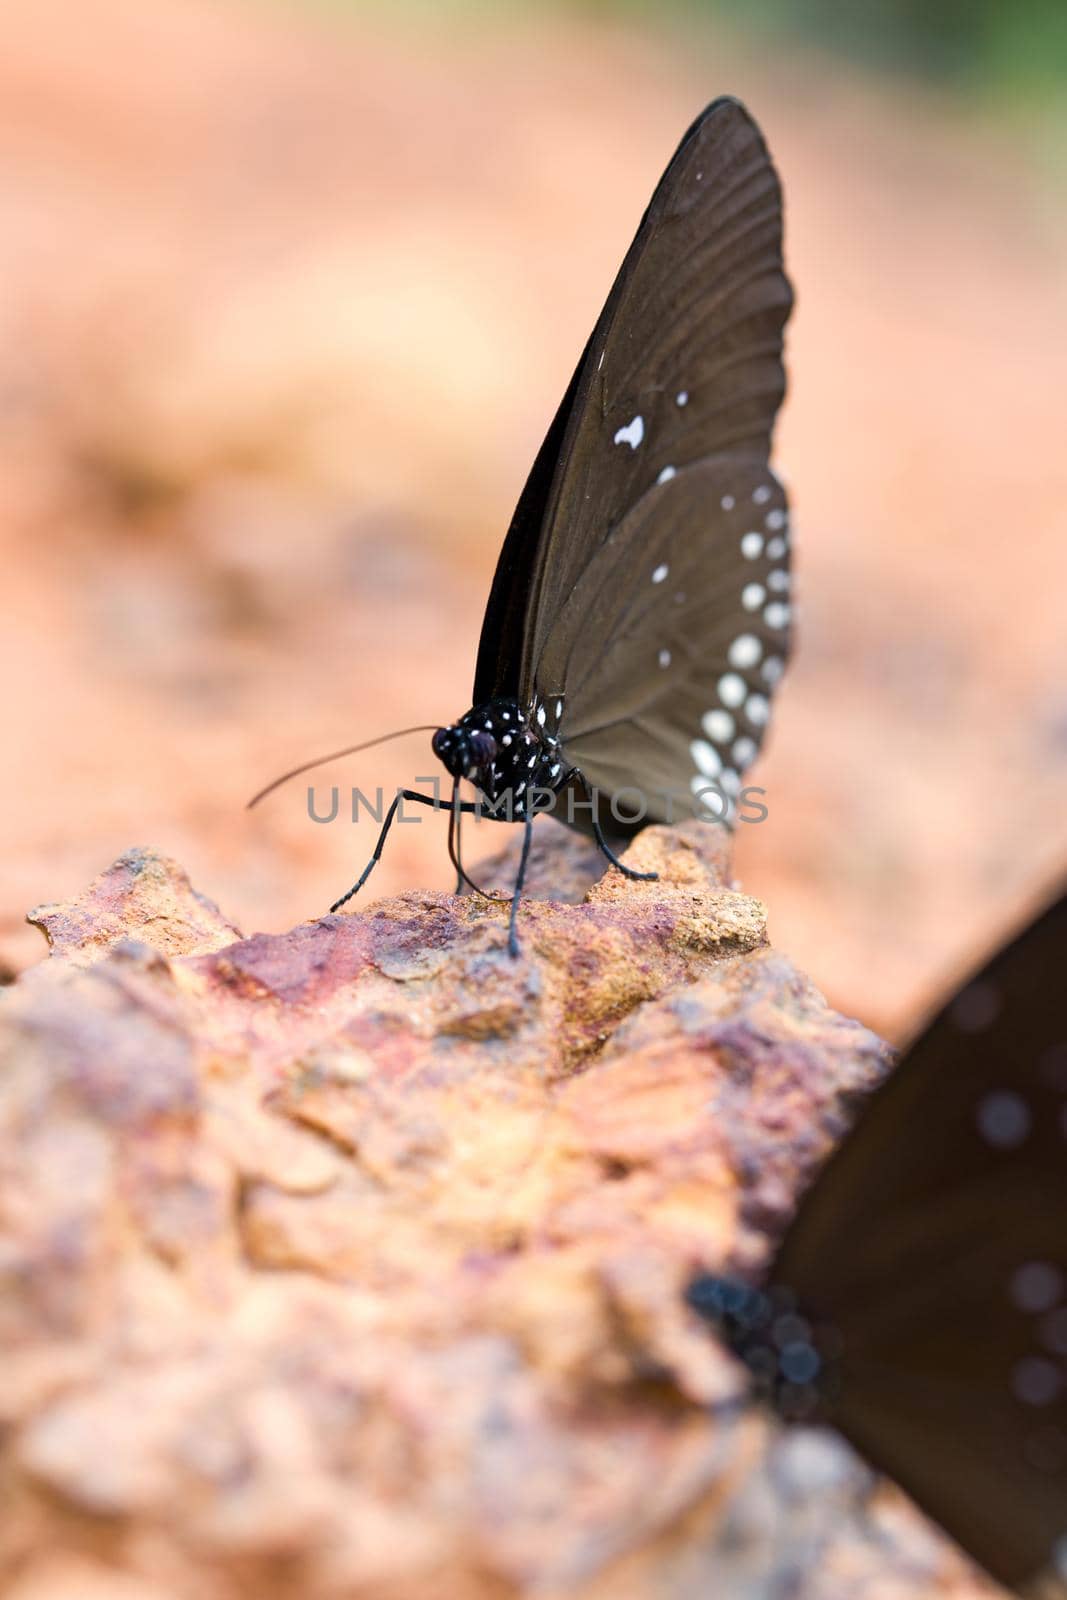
<point>453,824</point>
<point>401,794</point>
<point>513,938</point>
<point>602,843</point>
<point>455,854</point>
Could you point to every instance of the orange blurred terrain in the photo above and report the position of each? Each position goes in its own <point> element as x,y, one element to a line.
<point>287,302</point>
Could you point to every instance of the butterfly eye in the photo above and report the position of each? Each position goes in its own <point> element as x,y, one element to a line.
<point>483,747</point>
<point>452,747</point>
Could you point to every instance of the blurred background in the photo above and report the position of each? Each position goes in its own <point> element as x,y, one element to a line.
<point>289,293</point>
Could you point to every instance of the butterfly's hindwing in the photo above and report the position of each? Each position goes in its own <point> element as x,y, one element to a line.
<point>687,620</point>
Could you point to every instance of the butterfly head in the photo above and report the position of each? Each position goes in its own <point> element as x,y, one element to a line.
<point>463,751</point>
<point>787,1359</point>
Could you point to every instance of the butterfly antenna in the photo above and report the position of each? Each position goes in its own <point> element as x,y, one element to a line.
<point>321,761</point>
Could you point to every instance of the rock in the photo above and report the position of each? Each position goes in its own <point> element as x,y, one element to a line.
<point>348,1262</point>
<point>144,896</point>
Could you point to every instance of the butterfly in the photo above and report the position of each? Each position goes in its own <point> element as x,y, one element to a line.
<point>918,1302</point>
<point>639,619</point>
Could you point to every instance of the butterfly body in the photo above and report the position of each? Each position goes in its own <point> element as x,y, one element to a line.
<point>510,753</point>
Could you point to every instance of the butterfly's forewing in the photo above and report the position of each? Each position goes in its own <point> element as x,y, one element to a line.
<point>500,649</point>
<point>935,1244</point>
<point>665,431</point>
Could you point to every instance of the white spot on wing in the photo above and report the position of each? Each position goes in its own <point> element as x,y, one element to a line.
<point>976,1006</point>
<point>682,397</point>
<point>718,725</point>
<point>1036,1381</point>
<point>757,709</point>
<point>751,545</point>
<point>776,548</point>
<point>772,669</point>
<point>744,751</point>
<point>1036,1286</point>
<point>732,689</point>
<point>778,579</point>
<point>1003,1119</point>
<point>745,651</point>
<point>775,519</point>
<point>541,715</point>
<point>728,502</point>
<point>632,434</point>
<point>664,658</point>
<point>712,800</point>
<point>776,614</point>
<point>762,494</point>
<point>706,757</point>
<point>667,474</point>
<point>660,572</point>
<point>753,596</point>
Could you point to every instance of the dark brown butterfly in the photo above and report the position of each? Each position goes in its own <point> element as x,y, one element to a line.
<point>919,1300</point>
<point>639,618</point>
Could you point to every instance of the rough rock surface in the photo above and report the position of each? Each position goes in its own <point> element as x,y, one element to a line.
<point>347,1262</point>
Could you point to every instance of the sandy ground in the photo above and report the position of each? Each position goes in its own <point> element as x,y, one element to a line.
<point>285,305</point>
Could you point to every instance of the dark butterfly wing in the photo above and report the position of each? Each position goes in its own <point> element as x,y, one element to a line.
<point>660,448</point>
<point>499,650</point>
<point>935,1244</point>
<point>692,642</point>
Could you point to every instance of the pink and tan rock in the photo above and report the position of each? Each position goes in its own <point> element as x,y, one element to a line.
<point>142,895</point>
<point>348,1262</point>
